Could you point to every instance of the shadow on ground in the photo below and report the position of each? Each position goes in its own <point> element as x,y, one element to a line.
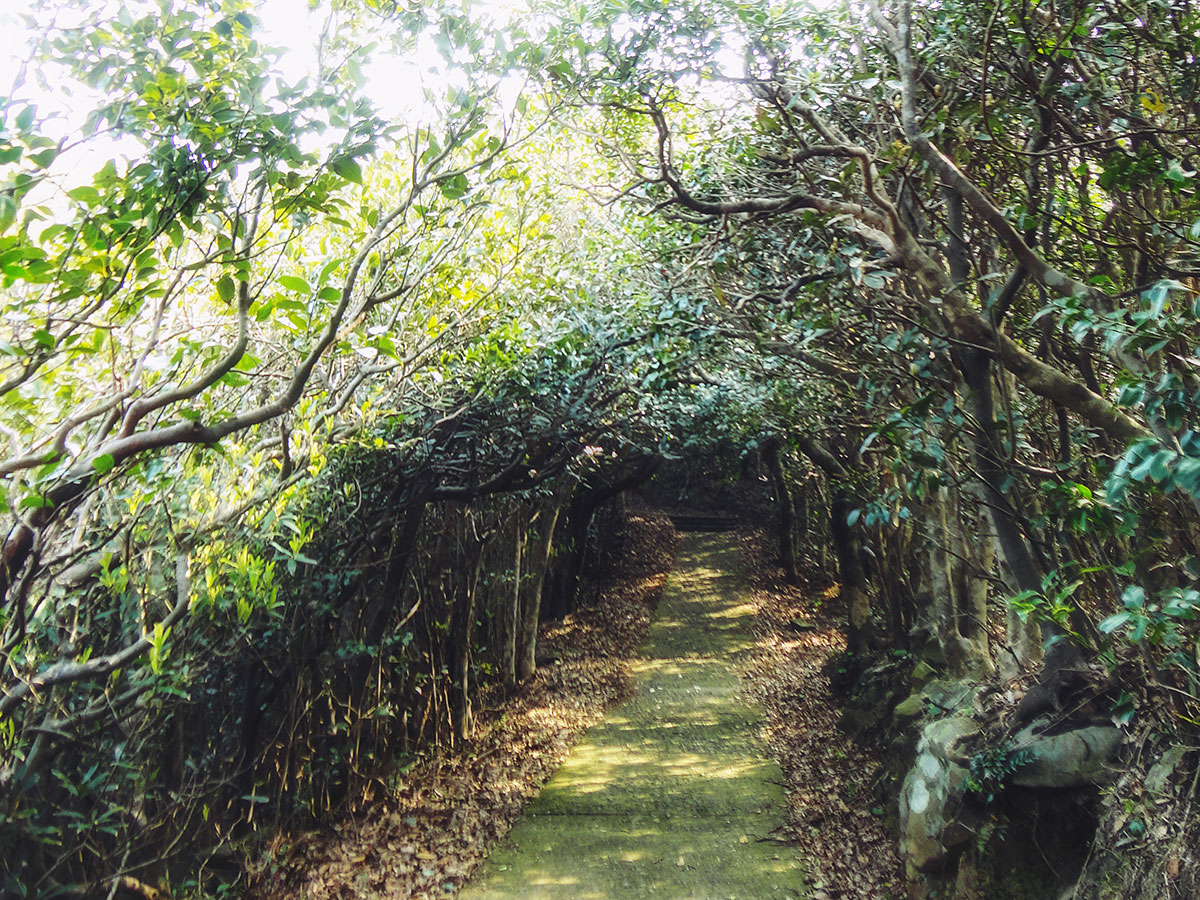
<point>672,796</point>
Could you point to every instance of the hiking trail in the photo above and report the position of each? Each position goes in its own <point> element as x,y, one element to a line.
<point>673,796</point>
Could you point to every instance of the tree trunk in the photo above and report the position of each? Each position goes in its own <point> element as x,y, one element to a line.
<point>466,582</point>
<point>1062,653</point>
<point>512,607</point>
<point>941,581</point>
<point>982,555</point>
<point>531,594</point>
<point>860,634</point>
<point>787,512</point>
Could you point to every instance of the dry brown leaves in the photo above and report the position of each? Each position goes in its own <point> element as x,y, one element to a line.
<point>428,834</point>
<point>833,809</point>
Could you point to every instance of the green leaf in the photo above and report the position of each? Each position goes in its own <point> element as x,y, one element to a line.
<point>24,118</point>
<point>8,210</point>
<point>225,288</point>
<point>43,158</point>
<point>85,194</point>
<point>103,463</point>
<point>454,188</point>
<point>347,168</point>
<point>1113,622</point>
<point>1134,597</point>
<point>295,283</point>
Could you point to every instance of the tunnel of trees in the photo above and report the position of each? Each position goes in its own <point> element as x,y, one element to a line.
<point>311,411</point>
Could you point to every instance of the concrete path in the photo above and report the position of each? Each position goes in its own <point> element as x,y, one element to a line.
<point>669,796</point>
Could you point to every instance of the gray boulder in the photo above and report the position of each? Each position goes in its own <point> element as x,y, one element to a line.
<point>931,808</point>
<point>1075,758</point>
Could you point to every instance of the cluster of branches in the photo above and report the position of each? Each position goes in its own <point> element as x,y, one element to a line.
<point>962,245</point>
<point>193,572</point>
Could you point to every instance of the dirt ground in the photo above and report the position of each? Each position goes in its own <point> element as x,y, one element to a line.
<point>429,833</point>
<point>833,806</point>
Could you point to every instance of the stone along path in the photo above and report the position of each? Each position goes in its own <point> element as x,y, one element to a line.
<point>671,797</point>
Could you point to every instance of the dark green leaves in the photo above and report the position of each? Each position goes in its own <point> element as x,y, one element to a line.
<point>454,188</point>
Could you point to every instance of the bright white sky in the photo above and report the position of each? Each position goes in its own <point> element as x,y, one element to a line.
<point>395,84</point>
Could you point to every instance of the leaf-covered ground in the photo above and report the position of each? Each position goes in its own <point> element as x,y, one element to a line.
<point>833,808</point>
<point>426,837</point>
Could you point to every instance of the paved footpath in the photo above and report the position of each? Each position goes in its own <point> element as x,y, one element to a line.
<point>667,799</point>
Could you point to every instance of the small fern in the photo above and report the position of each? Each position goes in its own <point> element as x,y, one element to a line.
<point>992,766</point>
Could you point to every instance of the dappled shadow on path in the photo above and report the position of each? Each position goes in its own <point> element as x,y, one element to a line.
<point>672,795</point>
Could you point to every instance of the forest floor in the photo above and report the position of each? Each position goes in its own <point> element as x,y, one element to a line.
<point>835,810</point>
<point>427,836</point>
<point>672,795</point>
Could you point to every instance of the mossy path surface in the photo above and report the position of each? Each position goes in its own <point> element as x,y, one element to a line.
<point>671,797</point>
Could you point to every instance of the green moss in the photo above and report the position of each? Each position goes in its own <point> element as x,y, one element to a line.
<point>669,796</point>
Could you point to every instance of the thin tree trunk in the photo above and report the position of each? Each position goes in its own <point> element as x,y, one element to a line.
<point>787,512</point>
<point>464,620</point>
<point>512,607</point>
<point>860,634</point>
<point>531,595</point>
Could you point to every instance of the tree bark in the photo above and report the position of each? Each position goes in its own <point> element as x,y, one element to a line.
<point>980,551</point>
<point>787,512</point>
<point>860,636</point>
<point>941,580</point>
<point>531,594</point>
<point>466,582</point>
<point>512,607</point>
<point>1062,653</point>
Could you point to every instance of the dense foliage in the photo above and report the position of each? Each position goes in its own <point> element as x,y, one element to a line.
<point>307,407</point>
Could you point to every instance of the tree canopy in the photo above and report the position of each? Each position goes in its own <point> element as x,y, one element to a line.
<point>284,379</point>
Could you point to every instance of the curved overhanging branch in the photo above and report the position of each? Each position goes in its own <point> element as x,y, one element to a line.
<point>774,205</point>
<point>1093,408</point>
<point>129,443</point>
<point>1046,381</point>
<point>142,407</point>
<point>963,321</point>
<point>826,367</point>
<point>982,205</point>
